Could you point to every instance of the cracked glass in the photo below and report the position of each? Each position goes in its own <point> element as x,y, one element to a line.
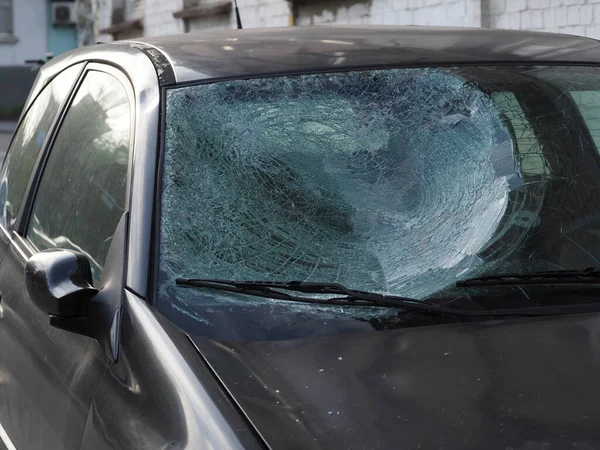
<point>399,181</point>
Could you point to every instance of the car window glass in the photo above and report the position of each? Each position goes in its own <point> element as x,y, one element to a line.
<point>81,195</point>
<point>28,142</point>
<point>531,157</point>
<point>588,103</point>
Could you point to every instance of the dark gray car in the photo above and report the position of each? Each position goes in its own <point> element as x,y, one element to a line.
<point>292,238</point>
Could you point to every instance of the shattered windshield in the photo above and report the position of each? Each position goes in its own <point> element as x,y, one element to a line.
<point>398,181</point>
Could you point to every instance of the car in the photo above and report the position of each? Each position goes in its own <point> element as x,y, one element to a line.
<point>310,237</point>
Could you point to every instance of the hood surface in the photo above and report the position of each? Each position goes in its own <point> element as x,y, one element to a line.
<point>518,384</point>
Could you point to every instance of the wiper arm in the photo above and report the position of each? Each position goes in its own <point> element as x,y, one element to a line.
<point>352,297</point>
<point>589,275</point>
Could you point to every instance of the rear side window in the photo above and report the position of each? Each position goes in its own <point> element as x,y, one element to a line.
<point>588,103</point>
<point>81,195</point>
<point>529,151</point>
<point>28,142</point>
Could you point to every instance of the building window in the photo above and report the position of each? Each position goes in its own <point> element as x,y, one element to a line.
<point>6,18</point>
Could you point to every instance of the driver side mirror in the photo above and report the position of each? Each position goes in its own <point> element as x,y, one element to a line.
<point>59,282</point>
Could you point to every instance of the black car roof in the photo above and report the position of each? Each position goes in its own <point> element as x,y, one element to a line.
<point>239,53</point>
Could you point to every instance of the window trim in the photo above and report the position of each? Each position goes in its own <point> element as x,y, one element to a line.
<point>155,229</point>
<point>26,248</point>
<point>8,36</point>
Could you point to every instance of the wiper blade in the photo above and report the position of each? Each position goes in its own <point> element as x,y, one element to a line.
<point>589,275</point>
<point>352,297</point>
<point>268,289</point>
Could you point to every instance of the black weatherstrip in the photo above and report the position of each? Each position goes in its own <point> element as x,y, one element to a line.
<point>163,67</point>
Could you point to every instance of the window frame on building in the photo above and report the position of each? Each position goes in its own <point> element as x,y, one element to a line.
<point>6,10</point>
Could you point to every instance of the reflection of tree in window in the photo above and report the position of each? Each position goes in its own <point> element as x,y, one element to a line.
<point>90,155</point>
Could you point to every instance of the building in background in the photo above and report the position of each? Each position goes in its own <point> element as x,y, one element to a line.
<point>30,29</point>
<point>120,19</point>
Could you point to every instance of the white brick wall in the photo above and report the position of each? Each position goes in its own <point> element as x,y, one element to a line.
<point>219,22</point>
<point>389,12</point>
<point>580,17</point>
<point>103,8</point>
<point>263,13</point>
<point>158,17</point>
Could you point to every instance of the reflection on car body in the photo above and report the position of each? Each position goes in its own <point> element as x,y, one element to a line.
<point>270,247</point>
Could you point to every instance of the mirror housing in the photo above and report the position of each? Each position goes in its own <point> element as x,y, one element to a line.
<point>59,282</point>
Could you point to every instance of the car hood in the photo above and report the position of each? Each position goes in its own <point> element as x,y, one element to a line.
<point>516,384</point>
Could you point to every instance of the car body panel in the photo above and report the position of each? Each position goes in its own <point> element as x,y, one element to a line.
<point>242,53</point>
<point>521,384</point>
<point>49,375</point>
<point>160,394</point>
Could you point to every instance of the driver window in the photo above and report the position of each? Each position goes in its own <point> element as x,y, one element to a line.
<point>82,193</point>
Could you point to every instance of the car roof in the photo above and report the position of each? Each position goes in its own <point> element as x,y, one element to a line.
<point>239,53</point>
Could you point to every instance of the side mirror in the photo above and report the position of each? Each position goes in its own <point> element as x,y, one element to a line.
<point>59,282</point>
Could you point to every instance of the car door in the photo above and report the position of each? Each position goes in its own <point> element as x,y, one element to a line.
<point>77,197</point>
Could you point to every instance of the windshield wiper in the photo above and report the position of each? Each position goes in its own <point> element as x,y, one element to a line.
<point>353,297</point>
<point>589,275</point>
